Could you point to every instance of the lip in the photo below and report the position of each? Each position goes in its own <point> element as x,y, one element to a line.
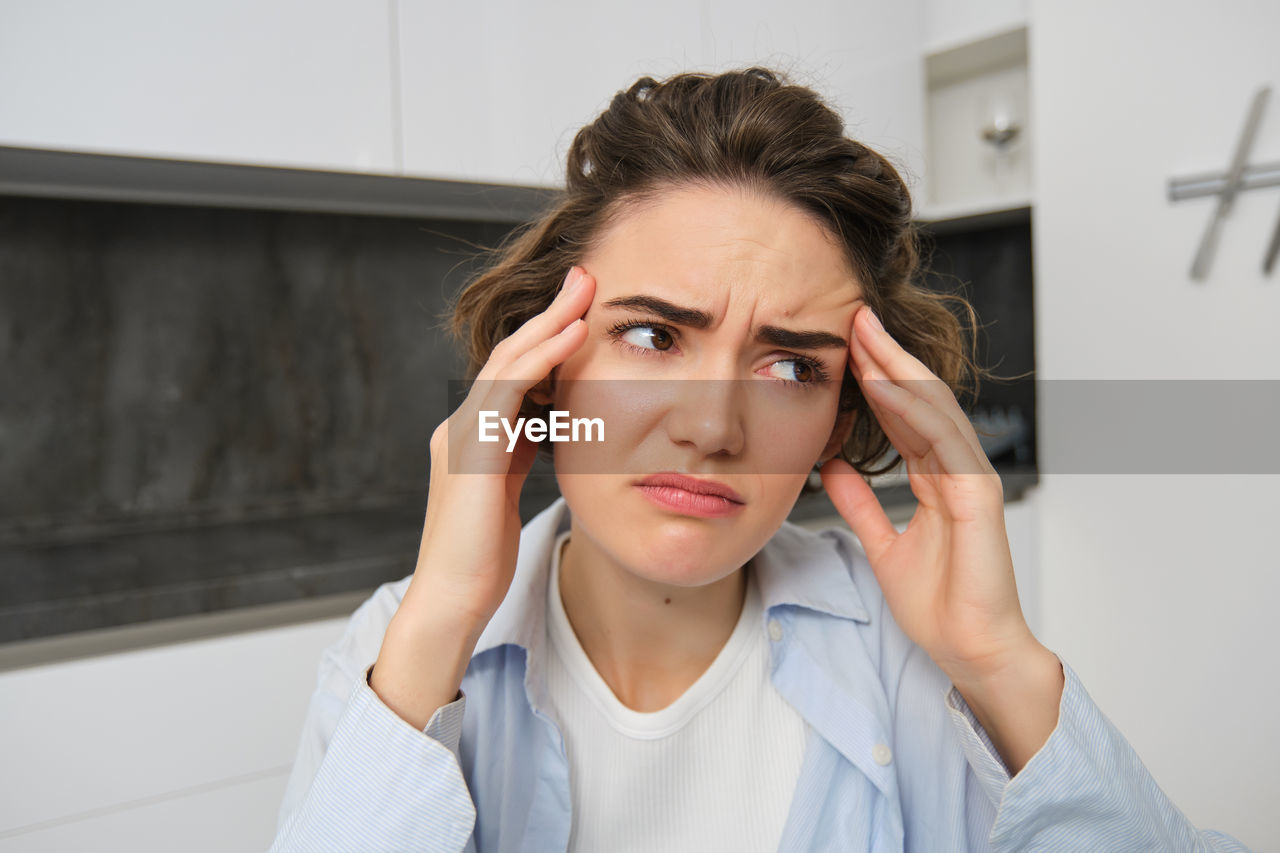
<point>692,484</point>
<point>690,496</point>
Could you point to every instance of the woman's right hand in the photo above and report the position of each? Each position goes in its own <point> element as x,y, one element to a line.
<point>471,535</point>
<point>472,528</point>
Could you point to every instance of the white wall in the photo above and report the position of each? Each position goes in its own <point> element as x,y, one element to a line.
<point>1160,589</point>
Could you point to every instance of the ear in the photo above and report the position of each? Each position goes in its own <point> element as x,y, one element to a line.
<point>839,435</point>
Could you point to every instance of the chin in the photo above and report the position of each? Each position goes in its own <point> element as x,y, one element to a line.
<point>676,553</point>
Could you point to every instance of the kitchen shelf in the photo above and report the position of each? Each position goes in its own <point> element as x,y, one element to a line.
<point>966,215</point>
<point>955,60</point>
<point>977,91</point>
<point>108,177</point>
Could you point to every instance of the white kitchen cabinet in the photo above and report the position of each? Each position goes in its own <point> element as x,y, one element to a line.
<point>488,92</point>
<point>495,91</point>
<point>184,746</point>
<point>864,57</point>
<point>302,83</point>
<point>979,128</point>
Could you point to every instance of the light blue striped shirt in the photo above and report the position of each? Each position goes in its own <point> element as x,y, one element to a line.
<point>895,760</point>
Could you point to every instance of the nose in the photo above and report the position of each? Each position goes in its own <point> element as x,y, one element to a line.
<point>708,414</point>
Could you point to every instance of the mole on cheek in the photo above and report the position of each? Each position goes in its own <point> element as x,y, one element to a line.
<point>668,601</point>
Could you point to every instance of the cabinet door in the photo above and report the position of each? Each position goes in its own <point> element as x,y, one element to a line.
<point>304,83</point>
<point>863,56</point>
<point>183,746</point>
<point>495,91</point>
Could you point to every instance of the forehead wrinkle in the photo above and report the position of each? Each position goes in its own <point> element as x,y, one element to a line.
<point>696,318</point>
<point>731,259</point>
<point>774,244</point>
<point>723,287</point>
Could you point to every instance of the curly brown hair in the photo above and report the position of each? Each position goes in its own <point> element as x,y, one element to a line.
<point>749,128</point>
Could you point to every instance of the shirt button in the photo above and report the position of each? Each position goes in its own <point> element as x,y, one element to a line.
<point>775,630</point>
<point>882,754</point>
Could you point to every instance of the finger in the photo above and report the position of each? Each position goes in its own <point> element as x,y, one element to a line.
<point>505,396</point>
<point>901,366</point>
<point>505,392</point>
<point>859,506</point>
<point>940,432</point>
<point>570,303</point>
<point>515,380</point>
<point>522,459</point>
<point>923,459</point>
<point>904,439</point>
<point>913,377</point>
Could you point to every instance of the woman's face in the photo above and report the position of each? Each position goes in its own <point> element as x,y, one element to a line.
<point>696,364</point>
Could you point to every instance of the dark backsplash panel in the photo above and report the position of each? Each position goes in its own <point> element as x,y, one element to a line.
<point>159,358</point>
<point>992,268</point>
<point>207,408</point>
<point>203,408</point>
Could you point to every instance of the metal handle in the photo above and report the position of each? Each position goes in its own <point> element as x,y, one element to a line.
<point>1204,255</point>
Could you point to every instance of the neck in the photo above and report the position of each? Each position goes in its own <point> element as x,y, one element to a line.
<point>648,640</point>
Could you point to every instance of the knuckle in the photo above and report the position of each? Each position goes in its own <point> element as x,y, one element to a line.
<point>439,437</point>
<point>500,350</point>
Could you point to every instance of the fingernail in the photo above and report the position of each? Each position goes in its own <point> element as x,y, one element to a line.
<point>574,284</point>
<point>875,321</point>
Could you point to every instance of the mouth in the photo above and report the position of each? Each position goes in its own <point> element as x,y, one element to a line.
<point>690,495</point>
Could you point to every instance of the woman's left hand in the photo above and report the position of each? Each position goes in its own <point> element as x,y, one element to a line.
<point>948,578</point>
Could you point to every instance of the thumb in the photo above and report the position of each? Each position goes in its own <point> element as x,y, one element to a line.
<point>858,505</point>
<point>522,459</point>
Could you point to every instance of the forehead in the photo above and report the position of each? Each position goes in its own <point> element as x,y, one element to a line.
<point>717,245</point>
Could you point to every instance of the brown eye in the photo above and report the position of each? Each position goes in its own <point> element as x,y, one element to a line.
<point>661,340</point>
<point>648,337</point>
<point>798,372</point>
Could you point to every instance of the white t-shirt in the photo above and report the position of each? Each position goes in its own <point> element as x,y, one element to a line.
<point>713,771</point>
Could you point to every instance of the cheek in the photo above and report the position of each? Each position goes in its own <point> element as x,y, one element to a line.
<point>628,413</point>
<point>790,431</point>
<point>617,402</point>
<point>786,429</point>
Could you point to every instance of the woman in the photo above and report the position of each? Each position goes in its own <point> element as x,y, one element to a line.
<point>658,661</point>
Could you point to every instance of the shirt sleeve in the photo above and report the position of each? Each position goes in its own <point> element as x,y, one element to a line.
<point>1086,788</point>
<point>371,781</point>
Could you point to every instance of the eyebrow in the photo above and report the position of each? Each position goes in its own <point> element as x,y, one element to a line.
<point>695,319</point>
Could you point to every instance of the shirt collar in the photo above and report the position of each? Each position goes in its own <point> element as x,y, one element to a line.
<point>795,567</point>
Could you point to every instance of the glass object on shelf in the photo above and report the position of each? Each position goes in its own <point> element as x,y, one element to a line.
<point>1000,124</point>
